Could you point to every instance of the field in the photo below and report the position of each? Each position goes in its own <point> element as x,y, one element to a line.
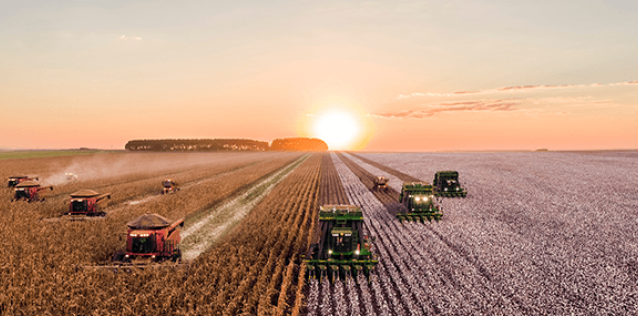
<point>538,234</point>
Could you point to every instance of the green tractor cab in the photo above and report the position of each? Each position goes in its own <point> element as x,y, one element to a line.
<point>339,248</point>
<point>418,200</point>
<point>446,184</point>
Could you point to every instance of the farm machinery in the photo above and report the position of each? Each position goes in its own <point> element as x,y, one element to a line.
<point>170,186</point>
<point>446,184</point>
<point>70,177</point>
<point>150,238</point>
<point>418,200</point>
<point>381,183</point>
<point>29,191</point>
<point>341,250</point>
<point>88,203</point>
<point>17,179</point>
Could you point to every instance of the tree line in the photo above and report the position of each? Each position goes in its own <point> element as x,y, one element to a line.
<point>280,144</point>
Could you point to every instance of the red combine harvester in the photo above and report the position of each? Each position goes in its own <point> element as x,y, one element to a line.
<point>29,191</point>
<point>151,238</point>
<point>170,186</point>
<point>17,179</point>
<point>87,203</point>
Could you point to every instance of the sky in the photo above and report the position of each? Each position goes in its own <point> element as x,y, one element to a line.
<point>408,75</point>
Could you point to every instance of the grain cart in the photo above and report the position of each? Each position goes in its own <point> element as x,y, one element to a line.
<point>87,203</point>
<point>446,184</point>
<point>417,198</point>
<point>170,186</point>
<point>29,191</point>
<point>17,179</point>
<point>339,248</point>
<point>381,183</point>
<point>151,238</point>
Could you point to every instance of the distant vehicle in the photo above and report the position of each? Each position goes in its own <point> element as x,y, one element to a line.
<point>17,179</point>
<point>446,184</point>
<point>381,183</point>
<point>71,176</point>
<point>170,186</point>
<point>29,191</point>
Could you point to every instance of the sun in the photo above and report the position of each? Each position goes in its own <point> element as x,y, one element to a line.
<point>338,129</point>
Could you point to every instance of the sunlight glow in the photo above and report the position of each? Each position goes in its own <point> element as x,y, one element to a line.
<point>337,128</point>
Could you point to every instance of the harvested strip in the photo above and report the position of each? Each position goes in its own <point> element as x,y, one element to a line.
<point>404,177</point>
<point>201,235</point>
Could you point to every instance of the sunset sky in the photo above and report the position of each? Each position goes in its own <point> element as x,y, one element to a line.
<point>402,75</point>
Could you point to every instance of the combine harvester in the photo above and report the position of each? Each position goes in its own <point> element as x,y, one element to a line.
<point>170,186</point>
<point>87,203</point>
<point>446,184</point>
<point>342,250</point>
<point>29,191</point>
<point>381,183</point>
<point>150,238</point>
<point>17,179</point>
<point>418,200</point>
<point>70,177</point>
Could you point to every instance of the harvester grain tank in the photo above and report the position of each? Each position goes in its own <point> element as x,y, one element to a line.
<point>381,183</point>
<point>170,186</point>
<point>151,238</point>
<point>339,248</point>
<point>29,191</point>
<point>418,201</point>
<point>88,203</point>
<point>446,184</point>
<point>17,179</point>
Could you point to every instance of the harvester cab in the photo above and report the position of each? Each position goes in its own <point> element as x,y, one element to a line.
<point>339,249</point>
<point>381,183</point>
<point>17,179</point>
<point>446,184</point>
<point>170,186</point>
<point>151,238</point>
<point>87,203</point>
<point>418,201</point>
<point>29,191</point>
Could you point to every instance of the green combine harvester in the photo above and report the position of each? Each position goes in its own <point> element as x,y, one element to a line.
<point>341,250</point>
<point>418,200</point>
<point>446,184</point>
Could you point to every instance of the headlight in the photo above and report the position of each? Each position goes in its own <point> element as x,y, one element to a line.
<point>457,189</point>
<point>425,199</point>
<point>329,252</point>
<point>416,199</point>
<point>445,189</point>
<point>356,252</point>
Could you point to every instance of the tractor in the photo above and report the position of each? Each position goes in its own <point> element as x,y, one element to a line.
<point>342,250</point>
<point>418,200</point>
<point>381,183</point>
<point>151,238</point>
<point>70,177</point>
<point>170,186</point>
<point>446,184</point>
<point>29,191</point>
<point>17,179</point>
<point>88,203</point>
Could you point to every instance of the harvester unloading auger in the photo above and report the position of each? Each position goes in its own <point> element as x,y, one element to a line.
<point>446,184</point>
<point>29,191</point>
<point>418,200</point>
<point>340,249</point>
<point>150,238</point>
<point>87,203</point>
<point>17,179</point>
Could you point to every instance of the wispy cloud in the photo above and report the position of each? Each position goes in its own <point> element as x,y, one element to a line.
<point>463,106</point>
<point>513,89</point>
<point>124,38</point>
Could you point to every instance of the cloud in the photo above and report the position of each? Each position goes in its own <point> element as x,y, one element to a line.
<point>463,106</point>
<point>512,89</point>
<point>124,38</point>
